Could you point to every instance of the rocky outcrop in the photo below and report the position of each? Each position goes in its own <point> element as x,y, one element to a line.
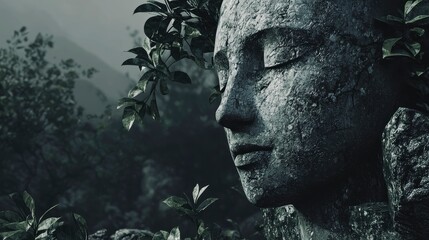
<point>406,170</point>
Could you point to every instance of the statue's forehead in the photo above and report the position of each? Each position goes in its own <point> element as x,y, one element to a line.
<point>243,18</point>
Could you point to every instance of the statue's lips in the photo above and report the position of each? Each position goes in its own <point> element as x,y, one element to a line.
<point>248,154</point>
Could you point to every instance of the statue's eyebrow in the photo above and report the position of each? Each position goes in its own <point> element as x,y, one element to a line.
<point>288,32</point>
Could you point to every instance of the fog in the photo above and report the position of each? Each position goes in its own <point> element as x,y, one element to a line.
<point>98,26</point>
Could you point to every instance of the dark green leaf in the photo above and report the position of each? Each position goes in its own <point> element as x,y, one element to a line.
<point>191,32</point>
<point>420,20</point>
<point>29,202</point>
<point>147,44</point>
<point>414,48</point>
<point>195,192</point>
<point>137,62</point>
<point>418,31</point>
<point>128,117</point>
<point>181,77</point>
<point>154,108</point>
<point>214,96</point>
<point>134,92</point>
<point>125,102</point>
<point>150,7</point>
<point>391,20</point>
<point>206,203</point>
<point>10,216</point>
<point>410,5</point>
<point>21,226</point>
<point>174,234</point>
<point>14,235</point>
<point>175,202</point>
<point>388,46</point>
<point>47,223</point>
<point>202,190</point>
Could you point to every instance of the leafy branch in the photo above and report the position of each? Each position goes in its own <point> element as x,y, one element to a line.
<point>193,208</point>
<point>22,223</point>
<point>408,41</point>
<point>178,30</point>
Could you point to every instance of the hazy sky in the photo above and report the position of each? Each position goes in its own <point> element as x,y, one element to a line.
<point>99,26</point>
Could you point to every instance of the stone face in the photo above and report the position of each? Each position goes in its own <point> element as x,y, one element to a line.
<point>406,169</point>
<point>304,96</point>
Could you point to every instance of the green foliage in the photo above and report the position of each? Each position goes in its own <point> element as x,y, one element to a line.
<point>408,41</point>
<point>193,209</point>
<point>22,223</point>
<point>178,30</point>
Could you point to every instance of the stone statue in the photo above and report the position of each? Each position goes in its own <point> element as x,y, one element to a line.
<point>305,101</point>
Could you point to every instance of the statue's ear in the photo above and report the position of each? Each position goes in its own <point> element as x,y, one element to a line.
<point>406,171</point>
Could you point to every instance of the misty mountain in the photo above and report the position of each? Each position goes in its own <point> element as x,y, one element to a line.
<point>106,86</point>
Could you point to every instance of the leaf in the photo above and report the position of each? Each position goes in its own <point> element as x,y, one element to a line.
<point>150,7</point>
<point>22,226</point>
<point>152,25</point>
<point>141,53</point>
<point>185,211</point>
<point>420,20</point>
<point>175,202</point>
<point>81,223</point>
<point>47,223</point>
<point>410,5</point>
<point>414,48</point>
<point>137,62</point>
<point>391,20</point>
<point>160,5</point>
<point>128,117</point>
<point>191,32</point>
<point>10,216</point>
<point>388,45</point>
<point>154,108</point>
<point>174,234</point>
<point>134,92</point>
<point>214,96</point>
<point>146,44</point>
<point>156,57</point>
<point>142,112</point>
<point>181,77</point>
<point>195,192</point>
<point>202,191</point>
<point>418,31</point>
<point>13,235</point>
<point>158,236</point>
<point>145,78</point>
<point>125,102</point>
<point>206,203</point>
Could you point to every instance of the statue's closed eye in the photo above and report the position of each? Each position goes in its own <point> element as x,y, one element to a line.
<point>284,48</point>
<point>279,56</point>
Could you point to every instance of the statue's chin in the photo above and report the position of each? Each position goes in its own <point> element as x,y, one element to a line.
<point>267,198</point>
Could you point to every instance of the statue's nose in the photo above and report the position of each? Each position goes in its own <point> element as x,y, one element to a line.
<point>236,110</point>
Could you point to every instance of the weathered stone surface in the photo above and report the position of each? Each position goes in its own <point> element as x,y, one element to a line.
<point>406,169</point>
<point>372,221</point>
<point>367,222</point>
